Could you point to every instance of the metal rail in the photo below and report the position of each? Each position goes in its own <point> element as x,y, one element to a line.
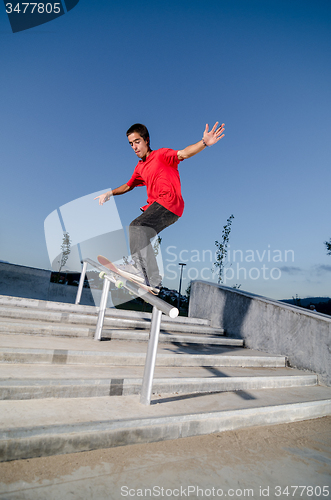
<point>159,307</point>
<point>146,388</point>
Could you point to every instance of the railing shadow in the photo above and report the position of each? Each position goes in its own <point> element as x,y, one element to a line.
<point>242,394</point>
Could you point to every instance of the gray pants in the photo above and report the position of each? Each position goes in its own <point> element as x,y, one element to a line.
<point>144,228</point>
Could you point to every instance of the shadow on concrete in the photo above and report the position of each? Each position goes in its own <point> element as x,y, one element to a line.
<point>189,348</point>
<point>211,350</point>
<point>218,373</point>
<point>215,371</point>
<point>235,310</point>
<point>242,394</point>
<point>184,396</point>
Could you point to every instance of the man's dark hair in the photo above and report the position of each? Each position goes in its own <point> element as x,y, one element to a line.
<point>141,130</point>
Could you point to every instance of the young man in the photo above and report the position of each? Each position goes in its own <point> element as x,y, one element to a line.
<point>158,171</point>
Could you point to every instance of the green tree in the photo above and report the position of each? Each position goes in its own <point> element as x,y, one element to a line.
<point>297,300</point>
<point>328,246</point>
<point>222,249</point>
<point>236,286</point>
<point>65,249</point>
<point>156,246</point>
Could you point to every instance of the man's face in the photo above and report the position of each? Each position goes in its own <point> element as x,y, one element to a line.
<point>138,144</point>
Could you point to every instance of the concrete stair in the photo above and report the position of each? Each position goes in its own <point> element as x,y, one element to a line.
<point>63,392</point>
<point>53,318</point>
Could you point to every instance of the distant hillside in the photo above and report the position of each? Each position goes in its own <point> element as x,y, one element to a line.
<point>322,304</point>
<point>306,302</point>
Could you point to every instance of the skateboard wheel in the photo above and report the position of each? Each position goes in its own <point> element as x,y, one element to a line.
<point>102,274</point>
<point>119,284</point>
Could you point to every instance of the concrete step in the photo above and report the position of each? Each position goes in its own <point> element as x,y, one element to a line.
<point>65,356</point>
<point>36,372</point>
<point>51,329</point>
<point>141,335</point>
<point>48,319</point>
<point>45,427</point>
<point>21,389</point>
<point>32,349</point>
<point>40,305</point>
<point>43,328</point>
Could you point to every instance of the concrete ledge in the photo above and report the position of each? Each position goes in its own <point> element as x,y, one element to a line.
<point>268,325</point>
<point>34,283</point>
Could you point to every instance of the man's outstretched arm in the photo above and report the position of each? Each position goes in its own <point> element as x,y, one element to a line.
<point>114,192</point>
<point>208,139</point>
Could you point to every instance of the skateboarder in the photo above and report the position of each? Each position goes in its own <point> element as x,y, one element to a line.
<point>158,171</point>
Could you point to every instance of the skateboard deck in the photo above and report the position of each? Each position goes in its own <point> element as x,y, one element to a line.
<point>123,274</point>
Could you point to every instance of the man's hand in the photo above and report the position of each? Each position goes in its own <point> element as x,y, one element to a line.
<point>113,192</point>
<point>208,139</point>
<point>214,135</point>
<point>103,197</point>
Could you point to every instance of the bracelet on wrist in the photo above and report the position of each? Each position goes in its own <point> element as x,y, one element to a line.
<point>203,141</point>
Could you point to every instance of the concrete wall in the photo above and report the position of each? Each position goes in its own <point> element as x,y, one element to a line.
<point>267,325</point>
<point>29,282</point>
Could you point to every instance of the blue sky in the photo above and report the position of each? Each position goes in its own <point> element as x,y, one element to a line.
<point>72,87</point>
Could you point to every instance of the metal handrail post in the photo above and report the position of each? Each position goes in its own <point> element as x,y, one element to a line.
<point>81,283</point>
<point>103,305</point>
<point>146,388</point>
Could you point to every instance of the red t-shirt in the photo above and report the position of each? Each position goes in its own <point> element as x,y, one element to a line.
<point>159,173</point>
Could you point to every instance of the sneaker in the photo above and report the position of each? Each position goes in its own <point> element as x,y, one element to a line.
<point>156,288</point>
<point>156,281</point>
<point>132,272</point>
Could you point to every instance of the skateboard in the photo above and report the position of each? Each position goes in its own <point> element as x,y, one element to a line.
<point>123,274</point>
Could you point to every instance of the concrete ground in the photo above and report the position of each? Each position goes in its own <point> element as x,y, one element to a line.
<point>281,461</point>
